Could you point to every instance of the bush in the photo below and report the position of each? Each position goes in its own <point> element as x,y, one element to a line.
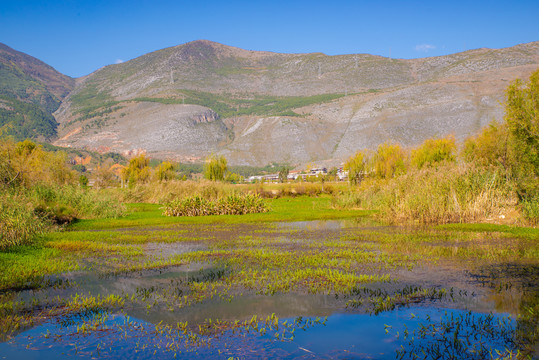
<point>230,205</point>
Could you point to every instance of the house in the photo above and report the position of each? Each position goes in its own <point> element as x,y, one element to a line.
<point>293,175</point>
<point>318,171</point>
<point>342,175</point>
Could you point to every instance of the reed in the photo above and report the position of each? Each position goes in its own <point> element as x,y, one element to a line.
<point>18,222</point>
<point>230,205</point>
<point>449,193</point>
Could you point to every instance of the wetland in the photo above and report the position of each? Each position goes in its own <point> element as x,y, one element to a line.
<point>300,281</point>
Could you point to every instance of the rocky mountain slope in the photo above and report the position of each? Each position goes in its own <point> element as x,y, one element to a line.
<point>30,91</point>
<point>256,107</point>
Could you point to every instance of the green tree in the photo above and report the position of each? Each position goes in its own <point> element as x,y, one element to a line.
<point>79,168</point>
<point>215,168</point>
<point>283,174</point>
<point>83,181</point>
<point>522,118</point>
<point>233,178</point>
<point>356,167</point>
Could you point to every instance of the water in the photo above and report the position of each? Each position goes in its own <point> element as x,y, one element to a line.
<point>449,307</point>
<point>341,335</point>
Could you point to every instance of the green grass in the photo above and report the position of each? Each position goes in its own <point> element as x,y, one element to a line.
<point>228,106</point>
<point>25,266</point>
<point>282,209</point>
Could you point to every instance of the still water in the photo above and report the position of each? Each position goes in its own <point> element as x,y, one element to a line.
<point>445,309</point>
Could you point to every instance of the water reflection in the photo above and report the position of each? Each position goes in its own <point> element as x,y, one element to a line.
<point>350,336</point>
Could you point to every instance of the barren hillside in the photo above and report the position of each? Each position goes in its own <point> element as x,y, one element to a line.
<point>256,107</point>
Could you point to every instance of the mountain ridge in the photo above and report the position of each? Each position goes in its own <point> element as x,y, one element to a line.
<point>257,107</point>
<point>297,108</point>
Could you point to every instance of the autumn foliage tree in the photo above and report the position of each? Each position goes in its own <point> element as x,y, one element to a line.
<point>215,168</point>
<point>389,161</point>
<point>138,170</point>
<point>434,151</point>
<point>356,167</point>
<point>165,171</point>
<point>489,147</point>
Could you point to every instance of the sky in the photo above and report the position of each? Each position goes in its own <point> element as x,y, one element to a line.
<point>79,37</point>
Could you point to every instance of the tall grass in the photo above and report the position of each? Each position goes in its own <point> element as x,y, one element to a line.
<point>75,201</point>
<point>18,221</point>
<point>27,212</point>
<point>167,191</point>
<point>445,194</point>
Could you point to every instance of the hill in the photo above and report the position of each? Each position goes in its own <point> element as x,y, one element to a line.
<point>30,91</point>
<point>258,107</point>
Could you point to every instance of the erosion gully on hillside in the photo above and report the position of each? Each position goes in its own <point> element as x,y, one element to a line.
<point>314,289</point>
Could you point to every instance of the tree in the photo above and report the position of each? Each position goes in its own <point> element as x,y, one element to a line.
<point>165,171</point>
<point>233,178</point>
<point>137,170</point>
<point>283,174</point>
<point>489,147</point>
<point>83,181</point>
<point>104,178</point>
<point>389,161</point>
<point>434,151</point>
<point>215,167</point>
<point>356,166</point>
<point>522,118</point>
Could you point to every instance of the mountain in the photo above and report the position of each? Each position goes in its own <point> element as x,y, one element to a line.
<point>255,107</point>
<point>30,91</point>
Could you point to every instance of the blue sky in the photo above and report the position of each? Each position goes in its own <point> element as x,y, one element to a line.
<point>78,37</point>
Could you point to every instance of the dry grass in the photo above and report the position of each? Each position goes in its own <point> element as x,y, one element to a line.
<point>445,194</point>
<point>167,191</point>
